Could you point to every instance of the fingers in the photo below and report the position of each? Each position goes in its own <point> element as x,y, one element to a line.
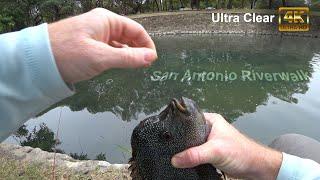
<point>124,57</point>
<point>133,47</point>
<point>135,34</point>
<point>205,153</point>
<point>130,57</point>
<point>194,156</point>
<point>125,30</point>
<point>213,118</point>
<point>209,117</point>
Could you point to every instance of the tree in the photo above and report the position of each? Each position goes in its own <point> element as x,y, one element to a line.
<point>18,14</point>
<point>155,2</point>
<point>6,23</point>
<point>181,4</point>
<point>195,4</point>
<point>229,6</point>
<point>42,138</point>
<point>242,3</point>
<point>207,3</point>
<point>81,156</point>
<point>53,10</point>
<point>270,4</point>
<point>171,5</point>
<point>218,4</point>
<point>253,4</point>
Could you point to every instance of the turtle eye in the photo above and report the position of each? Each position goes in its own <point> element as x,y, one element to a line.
<point>167,136</point>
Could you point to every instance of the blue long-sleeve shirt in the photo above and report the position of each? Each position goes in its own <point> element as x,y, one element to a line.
<point>30,82</point>
<point>295,168</point>
<point>29,78</point>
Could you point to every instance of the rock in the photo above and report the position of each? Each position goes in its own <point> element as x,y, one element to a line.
<point>62,161</point>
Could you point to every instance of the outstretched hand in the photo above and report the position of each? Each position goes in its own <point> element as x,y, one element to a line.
<point>88,44</point>
<point>231,152</point>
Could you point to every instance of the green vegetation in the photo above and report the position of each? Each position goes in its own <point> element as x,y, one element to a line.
<point>101,157</point>
<point>16,170</point>
<point>18,14</point>
<point>80,156</point>
<point>42,138</point>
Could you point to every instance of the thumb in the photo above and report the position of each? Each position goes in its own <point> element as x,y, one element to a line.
<point>125,57</point>
<point>194,156</point>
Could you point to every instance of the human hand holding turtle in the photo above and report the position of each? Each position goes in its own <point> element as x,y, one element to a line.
<point>231,152</point>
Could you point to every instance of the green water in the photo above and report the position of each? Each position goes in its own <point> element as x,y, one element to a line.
<point>265,85</point>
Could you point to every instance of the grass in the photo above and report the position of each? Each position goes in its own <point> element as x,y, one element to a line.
<point>16,170</point>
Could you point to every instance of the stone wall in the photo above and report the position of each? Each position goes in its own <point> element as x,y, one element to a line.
<point>200,22</point>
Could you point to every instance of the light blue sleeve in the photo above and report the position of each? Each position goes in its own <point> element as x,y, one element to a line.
<point>29,78</point>
<point>296,168</point>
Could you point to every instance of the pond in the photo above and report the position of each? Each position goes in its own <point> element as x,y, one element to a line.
<point>265,85</point>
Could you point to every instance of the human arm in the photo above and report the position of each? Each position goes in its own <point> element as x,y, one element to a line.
<point>36,63</point>
<point>239,156</point>
<point>29,79</point>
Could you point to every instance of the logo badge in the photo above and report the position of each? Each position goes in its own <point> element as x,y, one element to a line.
<point>294,19</point>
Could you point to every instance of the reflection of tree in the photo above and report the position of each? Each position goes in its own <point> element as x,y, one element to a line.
<point>42,138</point>
<point>132,92</point>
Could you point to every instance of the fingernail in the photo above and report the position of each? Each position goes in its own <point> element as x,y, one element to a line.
<point>177,160</point>
<point>149,55</point>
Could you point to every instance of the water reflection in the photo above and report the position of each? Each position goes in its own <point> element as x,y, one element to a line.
<point>130,92</point>
<point>99,119</point>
